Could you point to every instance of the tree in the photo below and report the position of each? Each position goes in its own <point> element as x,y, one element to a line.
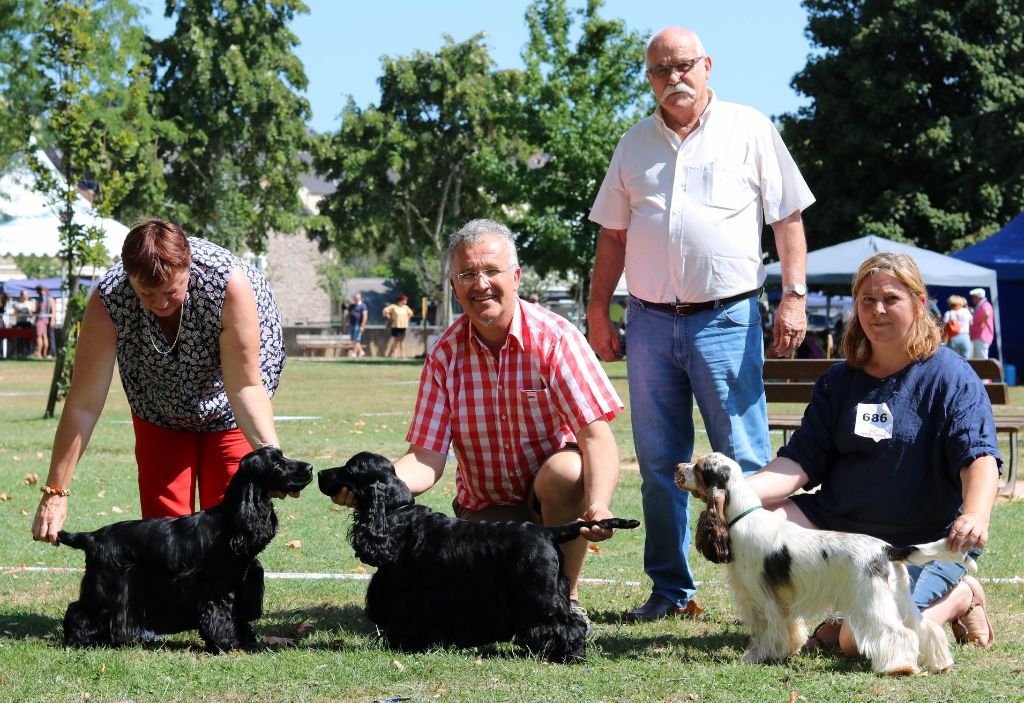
<point>227,78</point>
<point>93,107</point>
<point>579,100</point>
<point>411,170</point>
<point>916,126</point>
<point>20,79</point>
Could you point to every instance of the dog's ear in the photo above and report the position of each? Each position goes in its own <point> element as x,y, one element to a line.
<point>254,523</point>
<point>370,536</point>
<point>712,535</point>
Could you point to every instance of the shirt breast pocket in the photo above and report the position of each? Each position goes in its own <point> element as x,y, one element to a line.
<point>727,186</point>
<point>533,405</point>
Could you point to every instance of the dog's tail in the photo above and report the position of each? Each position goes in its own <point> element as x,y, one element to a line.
<point>566,533</point>
<point>78,540</point>
<point>931,551</point>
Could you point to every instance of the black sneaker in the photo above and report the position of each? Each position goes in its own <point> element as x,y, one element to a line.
<point>581,612</point>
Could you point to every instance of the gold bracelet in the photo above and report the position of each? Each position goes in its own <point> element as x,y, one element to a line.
<point>51,490</point>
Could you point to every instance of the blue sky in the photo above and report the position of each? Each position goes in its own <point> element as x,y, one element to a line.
<point>756,46</point>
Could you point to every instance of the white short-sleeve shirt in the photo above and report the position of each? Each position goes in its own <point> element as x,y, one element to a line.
<point>694,208</point>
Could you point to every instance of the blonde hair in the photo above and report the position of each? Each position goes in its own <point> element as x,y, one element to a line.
<point>924,336</point>
<point>957,300</point>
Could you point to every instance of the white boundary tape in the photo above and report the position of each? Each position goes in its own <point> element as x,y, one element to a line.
<point>313,576</point>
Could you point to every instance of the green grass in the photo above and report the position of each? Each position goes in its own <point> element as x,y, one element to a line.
<point>367,406</point>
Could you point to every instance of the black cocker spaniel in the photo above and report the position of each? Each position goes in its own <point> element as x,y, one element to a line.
<point>199,571</point>
<point>445,581</point>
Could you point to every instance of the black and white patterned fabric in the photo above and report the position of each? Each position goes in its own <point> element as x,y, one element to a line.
<point>184,389</point>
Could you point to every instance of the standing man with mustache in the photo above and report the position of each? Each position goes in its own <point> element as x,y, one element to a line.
<point>518,396</point>
<point>682,207</point>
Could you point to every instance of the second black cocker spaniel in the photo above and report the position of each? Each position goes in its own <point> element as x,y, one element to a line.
<point>445,581</point>
<point>199,571</point>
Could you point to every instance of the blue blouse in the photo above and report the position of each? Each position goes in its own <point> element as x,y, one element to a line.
<point>887,453</point>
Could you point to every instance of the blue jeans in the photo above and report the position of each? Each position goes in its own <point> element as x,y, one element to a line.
<point>715,357</point>
<point>930,582</point>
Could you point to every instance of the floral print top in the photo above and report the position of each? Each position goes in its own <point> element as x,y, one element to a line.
<point>180,386</point>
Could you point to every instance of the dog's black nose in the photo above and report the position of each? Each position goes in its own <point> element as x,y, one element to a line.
<point>329,482</point>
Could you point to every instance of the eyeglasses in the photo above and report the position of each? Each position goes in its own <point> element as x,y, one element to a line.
<point>469,278</point>
<point>682,68</point>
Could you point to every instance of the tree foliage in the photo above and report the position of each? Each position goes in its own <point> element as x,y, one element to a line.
<point>94,90</point>
<point>916,127</point>
<point>227,79</point>
<point>411,170</point>
<point>580,97</point>
<point>20,78</point>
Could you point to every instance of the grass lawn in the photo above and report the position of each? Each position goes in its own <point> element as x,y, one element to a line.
<point>367,406</point>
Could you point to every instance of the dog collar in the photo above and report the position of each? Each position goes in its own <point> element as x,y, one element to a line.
<point>742,515</point>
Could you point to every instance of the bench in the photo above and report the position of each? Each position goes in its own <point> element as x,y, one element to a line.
<point>792,381</point>
<point>333,345</point>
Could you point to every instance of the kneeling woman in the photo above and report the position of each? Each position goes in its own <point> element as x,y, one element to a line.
<point>197,337</point>
<point>901,443</point>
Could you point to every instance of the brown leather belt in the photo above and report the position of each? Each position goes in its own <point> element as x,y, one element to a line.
<point>690,308</point>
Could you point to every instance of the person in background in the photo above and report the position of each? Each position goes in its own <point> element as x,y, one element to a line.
<point>900,441</point>
<point>515,392</point>
<point>956,323</point>
<point>398,315</point>
<point>23,312</point>
<point>358,313</point>
<point>197,338</point>
<point>681,209</point>
<point>44,322</point>
<point>982,329</point>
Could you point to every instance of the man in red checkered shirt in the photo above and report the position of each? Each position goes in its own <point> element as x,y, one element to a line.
<point>518,395</point>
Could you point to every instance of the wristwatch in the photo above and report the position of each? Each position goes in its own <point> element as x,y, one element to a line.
<point>797,289</point>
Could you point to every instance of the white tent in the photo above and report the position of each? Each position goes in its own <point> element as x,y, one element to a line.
<point>836,266</point>
<point>31,225</point>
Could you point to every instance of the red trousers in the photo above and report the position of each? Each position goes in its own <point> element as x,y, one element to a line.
<point>172,463</point>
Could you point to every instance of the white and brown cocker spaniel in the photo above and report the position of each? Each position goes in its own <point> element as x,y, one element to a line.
<point>782,574</point>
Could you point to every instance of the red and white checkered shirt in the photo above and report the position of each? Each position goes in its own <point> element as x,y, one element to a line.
<point>505,416</point>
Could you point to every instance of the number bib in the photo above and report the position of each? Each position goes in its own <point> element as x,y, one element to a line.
<point>874,421</point>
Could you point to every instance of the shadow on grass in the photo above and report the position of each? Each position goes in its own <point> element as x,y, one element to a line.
<point>19,625</point>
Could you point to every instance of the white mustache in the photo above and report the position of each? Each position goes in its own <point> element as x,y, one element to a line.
<point>678,88</point>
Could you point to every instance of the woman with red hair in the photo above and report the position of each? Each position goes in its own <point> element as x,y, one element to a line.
<point>196,334</point>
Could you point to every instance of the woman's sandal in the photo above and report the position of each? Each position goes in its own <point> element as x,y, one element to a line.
<point>973,626</point>
<point>825,636</point>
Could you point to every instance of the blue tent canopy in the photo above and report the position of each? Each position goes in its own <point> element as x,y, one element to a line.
<point>1003,251</point>
<point>836,266</point>
<point>14,287</point>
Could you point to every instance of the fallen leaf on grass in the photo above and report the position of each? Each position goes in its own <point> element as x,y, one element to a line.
<point>24,512</point>
<point>116,509</point>
<point>398,665</point>
<point>593,548</point>
<point>441,690</point>
<point>293,544</point>
<point>39,455</point>
<point>360,570</point>
<point>3,497</point>
<point>102,513</point>
<point>103,669</point>
<point>101,494</point>
<point>31,479</point>
<point>304,627</point>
